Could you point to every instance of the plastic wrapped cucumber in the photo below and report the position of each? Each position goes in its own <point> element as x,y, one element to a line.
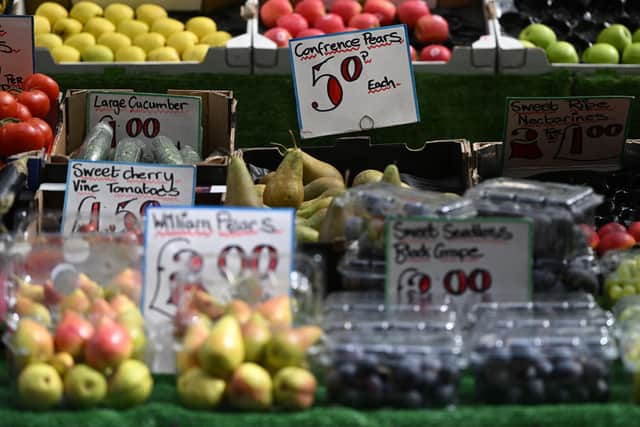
<point>165,151</point>
<point>97,143</point>
<point>147,155</point>
<point>189,155</point>
<point>128,150</point>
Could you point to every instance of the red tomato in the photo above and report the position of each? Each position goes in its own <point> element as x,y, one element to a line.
<point>45,84</point>
<point>8,105</point>
<point>36,101</point>
<point>45,129</point>
<point>22,112</point>
<point>19,137</point>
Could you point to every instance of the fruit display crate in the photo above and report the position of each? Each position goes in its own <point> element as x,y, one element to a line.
<point>576,22</point>
<point>471,41</point>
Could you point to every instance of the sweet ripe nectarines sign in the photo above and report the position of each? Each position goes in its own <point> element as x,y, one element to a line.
<point>353,81</point>
<point>16,50</point>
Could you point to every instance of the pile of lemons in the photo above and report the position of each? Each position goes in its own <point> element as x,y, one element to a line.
<point>119,33</point>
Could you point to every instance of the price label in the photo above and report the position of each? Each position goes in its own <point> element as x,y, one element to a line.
<point>16,50</point>
<point>560,134</point>
<point>244,253</point>
<point>478,259</point>
<point>353,81</point>
<point>113,197</point>
<point>145,116</point>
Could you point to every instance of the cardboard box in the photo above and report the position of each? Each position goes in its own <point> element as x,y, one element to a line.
<point>218,136</point>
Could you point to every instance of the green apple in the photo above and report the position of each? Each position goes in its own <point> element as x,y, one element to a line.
<point>601,53</point>
<point>84,387</point>
<point>631,54</point>
<point>527,44</point>
<point>197,390</point>
<point>562,52</point>
<point>538,34</point>
<point>636,36</point>
<point>617,35</point>
<point>39,387</point>
<point>130,385</point>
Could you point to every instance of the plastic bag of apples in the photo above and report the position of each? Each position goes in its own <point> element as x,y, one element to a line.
<point>75,336</point>
<point>251,353</point>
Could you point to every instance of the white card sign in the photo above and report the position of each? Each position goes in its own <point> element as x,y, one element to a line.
<point>16,50</point>
<point>147,115</point>
<point>561,134</point>
<point>353,81</point>
<point>490,258</point>
<point>110,196</point>
<point>213,248</point>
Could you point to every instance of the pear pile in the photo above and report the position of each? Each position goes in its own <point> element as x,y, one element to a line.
<point>305,183</point>
<point>243,357</point>
<point>88,353</point>
<point>118,33</point>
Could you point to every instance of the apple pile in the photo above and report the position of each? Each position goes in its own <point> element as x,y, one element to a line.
<point>612,236</point>
<point>311,18</point>
<point>249,358</point>
<point>91,356</point>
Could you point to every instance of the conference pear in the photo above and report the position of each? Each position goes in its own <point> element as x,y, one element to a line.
<point>320,185</point>
<point>238,309</point>
<point>265,178</point>
<point>240,191</point>
<point>315,221</point>
<point>367,176</point>
<point>306,234</point>
<point>256,335</point>
<point>277,311</point>
<point>187,355</point>
<point>285,188</point>
<point>314,168</point>
<point>259,189</point>
<point>310,207</point>
<point>391,175</point>
<point>332,228</point>
<point>223,350</point>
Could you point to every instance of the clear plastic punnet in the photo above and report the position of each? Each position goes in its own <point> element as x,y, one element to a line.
<point>75,335</point>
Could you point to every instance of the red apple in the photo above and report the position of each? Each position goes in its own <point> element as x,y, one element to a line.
<point>293,22</point>
<point>634,230</point>
<point>72,333</point>
<point>412,10</point>
<point>590,234</point>
<point>279,35</point>
<point>615,240</point>
<point>109,345</point>
<point>385,10</point>
<point>364,21</point>
<point>329,23</point>
<point>347,9</point>
<point>350,29</point>
<point>609,227</point>
<point>435,52</point>
<point>310,32</point>
<point>414,54</point>
<point>431,29</point>
<point>274,9</point>
<point>310,9</point>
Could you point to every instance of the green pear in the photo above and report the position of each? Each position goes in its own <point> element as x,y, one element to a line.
<point>84,387</point>
<point>286,348</point>
<point>315,221</point>
<point>320,185</point>
<point>259,189</point>
<point>223,350</point>
<point>240,191</point>
<point>285,188</point>
<point>197,390</point>
<point>366,176</point>
<point>312,206</point>
<point>332,192</point>
<point>131,384</point>
<point>30,343</point>
<point>294,388</point>
<point>250,388</point>
<point>39,387</point>
<point>306,234</point>
<point>314,168</point>
<point>332,228</point>
<point>256,334</point>
<point>391,175</point>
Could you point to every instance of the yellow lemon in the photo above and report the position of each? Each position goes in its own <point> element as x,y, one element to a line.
<point>196,53</point>
<point>52,11</point>
<point>98,26</point>
<point>182,40</point>
<point>164,54</point>
<point>80,41</point>
<point>150,13</point>
<point>97,53</point>
<point>130,54</point>
<point>85,10</point>
<point>48,40</point>
<point>167,26</point>
<point>201,26</point>
<point>118,12</point>
<point>132,27</point>
<point>114,41</point>
<point>41,25</point>
<point>149,41</point>
<point>65,54</point>
<point>66,27</point>
<point>217,39</point>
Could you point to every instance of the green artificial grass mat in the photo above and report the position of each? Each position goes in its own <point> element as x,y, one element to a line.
<point>163,411</point>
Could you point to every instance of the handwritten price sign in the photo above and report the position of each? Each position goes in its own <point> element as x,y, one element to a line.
<point>353,81</point>
<point>560,134</point>
<point>145,116</point>
<point>16,50</point>
<point>485,258</point>
<point>107,196</point>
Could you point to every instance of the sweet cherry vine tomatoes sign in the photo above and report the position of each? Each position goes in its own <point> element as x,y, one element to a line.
<point>145,116</point>
<point>353,81</point>
<point>478,259</point>
<point>560,134</point>
<point>109,196</point>
<point>16,50</point>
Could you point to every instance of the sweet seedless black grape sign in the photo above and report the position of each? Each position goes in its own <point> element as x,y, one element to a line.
<point>353,81</point>
<point>563,134</point>
<point>478,259</point>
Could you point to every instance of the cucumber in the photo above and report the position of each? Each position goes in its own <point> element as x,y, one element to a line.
<point>147,153</point>
<point>189,155</point>
<point>128,150</point>
<point>97,143</point>
<point>165,151</point>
